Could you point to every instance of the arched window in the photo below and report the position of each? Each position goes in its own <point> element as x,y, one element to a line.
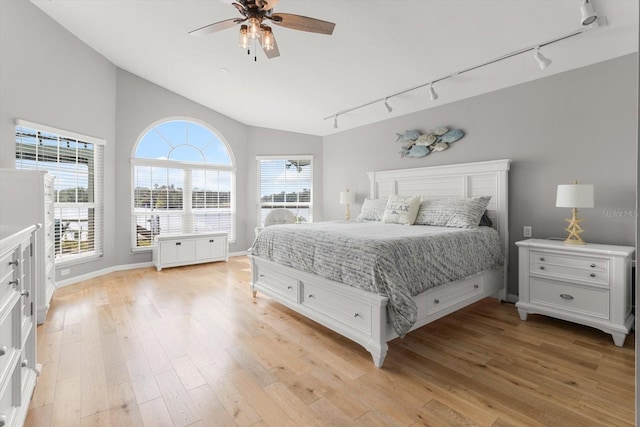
<point>183,182</point>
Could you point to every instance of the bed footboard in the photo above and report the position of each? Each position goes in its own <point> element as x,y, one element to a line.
<point>359,315</point>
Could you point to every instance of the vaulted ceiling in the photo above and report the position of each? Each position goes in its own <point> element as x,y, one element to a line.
<point>378,48</point>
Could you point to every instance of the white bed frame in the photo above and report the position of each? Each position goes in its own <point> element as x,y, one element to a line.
<point>362,316</point>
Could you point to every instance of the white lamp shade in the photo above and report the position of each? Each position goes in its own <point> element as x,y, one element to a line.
<point>575,196</point>
<point>347,197</point>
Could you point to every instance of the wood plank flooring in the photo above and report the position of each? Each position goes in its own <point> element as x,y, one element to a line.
<point>190,347</point>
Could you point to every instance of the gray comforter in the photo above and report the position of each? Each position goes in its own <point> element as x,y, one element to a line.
<point>392,260</point>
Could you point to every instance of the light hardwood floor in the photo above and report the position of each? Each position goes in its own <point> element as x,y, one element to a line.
<point>190,346</point>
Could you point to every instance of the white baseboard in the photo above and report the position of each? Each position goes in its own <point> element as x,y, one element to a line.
<point>94,274</point>
<point>97,273</point>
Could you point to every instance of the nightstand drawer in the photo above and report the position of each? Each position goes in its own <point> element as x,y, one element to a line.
<point>567,297</point>
<point>587,269</point>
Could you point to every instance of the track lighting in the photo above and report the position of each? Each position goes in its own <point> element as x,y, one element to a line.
<point>432,92</point>
<point>589,15</point>
<point>542,61</point>
<point>386,104</point>
<point>590,21</point>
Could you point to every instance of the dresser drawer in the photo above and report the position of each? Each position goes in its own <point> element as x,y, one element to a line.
<point>584,300</point>
<point>351,312</point>
<point>285,286</point>
<point>587,269</point>
<point>9,273</point>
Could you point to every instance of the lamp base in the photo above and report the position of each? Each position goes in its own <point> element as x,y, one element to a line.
<point>347,215</point>
<point>574,230</point>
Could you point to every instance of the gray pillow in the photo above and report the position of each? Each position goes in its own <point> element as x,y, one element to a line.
<point>372,209</point>
<point>460,213</point>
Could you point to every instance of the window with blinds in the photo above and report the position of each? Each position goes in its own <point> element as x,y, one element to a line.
<point>76,163</point>
<point>285,182</point>
<point>183,182</point>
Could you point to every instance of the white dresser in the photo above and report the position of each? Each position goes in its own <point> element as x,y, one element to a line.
<point>18,295</point>
<point>587,284</point>
<point>27,198</point>
<point>172,250</point>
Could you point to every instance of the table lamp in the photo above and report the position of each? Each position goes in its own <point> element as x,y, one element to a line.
<point>346,198</point>
<point>574,196</point>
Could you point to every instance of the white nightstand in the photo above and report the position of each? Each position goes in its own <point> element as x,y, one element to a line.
<point>587,284</point>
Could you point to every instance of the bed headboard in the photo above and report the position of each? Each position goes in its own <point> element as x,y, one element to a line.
<point>461,180</point>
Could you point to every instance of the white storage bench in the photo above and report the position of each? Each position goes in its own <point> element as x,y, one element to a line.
<point>172,250</point>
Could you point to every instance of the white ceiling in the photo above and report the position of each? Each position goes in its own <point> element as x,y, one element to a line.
<point>378,48</point>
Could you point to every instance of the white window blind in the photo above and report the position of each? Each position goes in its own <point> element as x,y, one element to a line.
<point>183,182</point>
<point>76,161</point>
<point>285,182</point>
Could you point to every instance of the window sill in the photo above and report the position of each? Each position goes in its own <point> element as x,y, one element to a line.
<point>79,259</point>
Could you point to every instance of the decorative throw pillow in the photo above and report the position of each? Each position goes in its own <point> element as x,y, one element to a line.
<point>461,213</point>
<point>372,210</point>
<point>485,221</point>
<point>401,210</point>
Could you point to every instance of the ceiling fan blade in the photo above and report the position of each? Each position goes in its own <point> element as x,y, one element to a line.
<point>272,53</point>
<point>303,23</point>
<point>217,26</point>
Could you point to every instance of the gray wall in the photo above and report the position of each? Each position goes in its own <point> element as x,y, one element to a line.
<point>575,125</point>
<point>50,77</point>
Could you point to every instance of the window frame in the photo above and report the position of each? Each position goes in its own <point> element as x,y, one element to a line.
<point>186,167</point>
<point>98,190</point>
<point>260,204</point>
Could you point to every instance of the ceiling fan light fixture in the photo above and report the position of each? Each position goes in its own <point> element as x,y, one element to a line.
<point>254,27</point>
<point>244,37</point>
<point>267,38</point>
<point>589,16</point>
<point>543,62</point>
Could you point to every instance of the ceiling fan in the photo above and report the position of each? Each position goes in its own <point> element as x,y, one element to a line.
<point>254,15</point>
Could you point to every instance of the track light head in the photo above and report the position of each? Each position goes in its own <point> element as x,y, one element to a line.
<point>335,122</point>
<point>386,104</point>
<point>589,16</point>
<point>432,92</point>
<point>543,62</point>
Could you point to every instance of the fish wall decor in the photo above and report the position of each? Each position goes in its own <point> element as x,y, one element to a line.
<point>416,144</point>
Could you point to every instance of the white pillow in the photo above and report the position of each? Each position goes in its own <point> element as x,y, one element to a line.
<point>461,213</point>
<point>372,210</point>
<point>401,210</point>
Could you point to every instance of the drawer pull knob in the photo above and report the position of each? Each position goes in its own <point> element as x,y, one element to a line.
<point>15,283</point>
<point>3,420</point>
<point>262,276</point>
<point>436,301</point>
<point>178,243</point>
<point>356,315</point>
<point>592,265</point>
<point>542,267</point>
<point>25,362</point>
<point>14,263</point>
<point>566,296</point>
<point>311,296</point>
<point>3,350</point>
<point>211,240</point>
<point>541,258</point>
<point>593,275</point>
<point>476,286</point>
<point>25,293</point>
<point>289,287</point>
